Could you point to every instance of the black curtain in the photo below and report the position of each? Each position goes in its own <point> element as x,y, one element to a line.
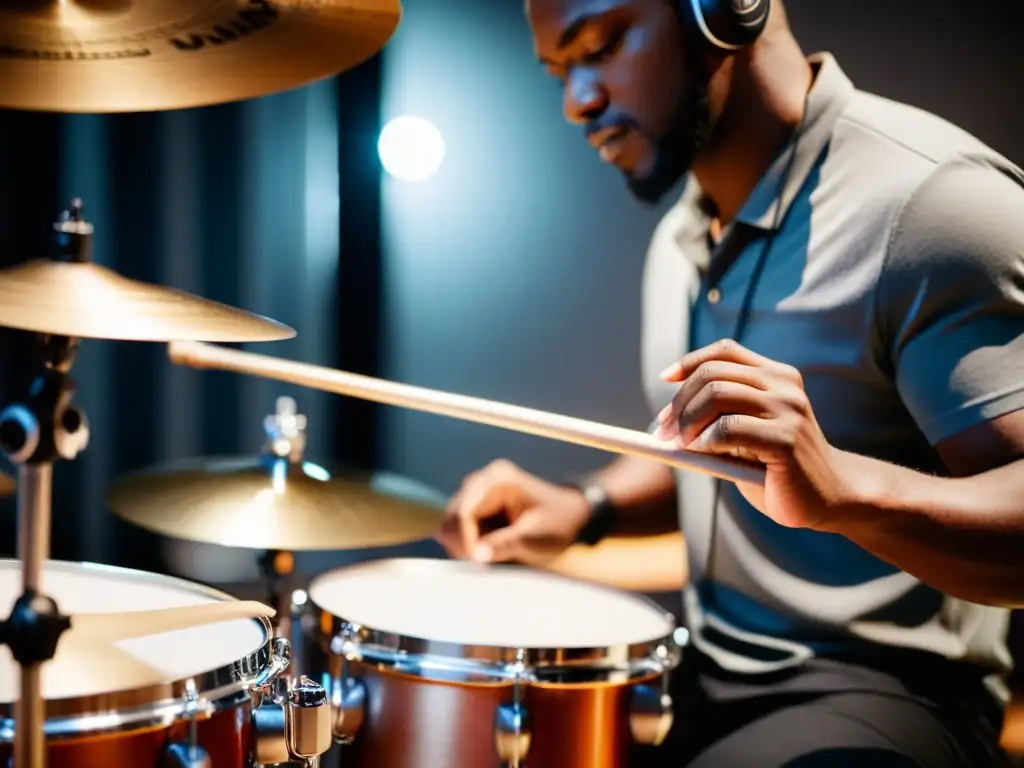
<point>262,205</point>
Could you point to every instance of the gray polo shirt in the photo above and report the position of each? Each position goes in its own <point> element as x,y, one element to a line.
<point>895,284</point>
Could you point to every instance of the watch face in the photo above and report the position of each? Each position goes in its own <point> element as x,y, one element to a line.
<point>595,495</point>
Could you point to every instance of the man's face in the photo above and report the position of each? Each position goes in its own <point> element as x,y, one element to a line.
<point>628,80</point>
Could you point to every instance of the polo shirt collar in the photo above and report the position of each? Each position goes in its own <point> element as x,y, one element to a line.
<point>828,97</point>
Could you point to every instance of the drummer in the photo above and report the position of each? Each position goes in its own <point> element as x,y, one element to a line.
<point>839,295</point>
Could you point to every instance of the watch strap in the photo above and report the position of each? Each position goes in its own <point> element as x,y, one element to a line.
<point>602,512</point>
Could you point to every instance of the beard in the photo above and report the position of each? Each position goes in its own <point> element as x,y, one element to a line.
<point>675,153</point>
<point>677,150</point>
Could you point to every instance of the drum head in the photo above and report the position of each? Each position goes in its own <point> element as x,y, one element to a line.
<point>130,665</point>
<point>464,603</point>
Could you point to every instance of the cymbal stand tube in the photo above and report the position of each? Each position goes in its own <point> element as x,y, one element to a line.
<point>35,490</point>
<point>33,435</point>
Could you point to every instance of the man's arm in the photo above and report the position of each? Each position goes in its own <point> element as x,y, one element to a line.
<point>645,551</point>
<point>963,536</point>
<point>639,564</point>
<point>951,307</point>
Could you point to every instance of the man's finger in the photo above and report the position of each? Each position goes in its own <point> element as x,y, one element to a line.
<point>480,501</point>
<point>725,350</point>
<point>501,545</point>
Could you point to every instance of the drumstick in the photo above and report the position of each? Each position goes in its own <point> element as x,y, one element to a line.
<point>126,625</point>
<point>527,420</point>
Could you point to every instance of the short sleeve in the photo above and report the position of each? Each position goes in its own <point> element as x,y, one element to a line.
<point>951,298</point>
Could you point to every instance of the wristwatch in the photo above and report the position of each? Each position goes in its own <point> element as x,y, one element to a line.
<point>603,513</point>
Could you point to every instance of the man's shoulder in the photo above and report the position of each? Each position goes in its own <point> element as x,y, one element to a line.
<point>920,137</point>
<point>885,158</point>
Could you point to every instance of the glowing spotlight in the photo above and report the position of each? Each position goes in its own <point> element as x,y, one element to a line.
<point>411,148</point>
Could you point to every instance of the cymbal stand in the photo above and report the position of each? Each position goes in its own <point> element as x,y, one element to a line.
<point>286,442</point>
<point>34,435</point>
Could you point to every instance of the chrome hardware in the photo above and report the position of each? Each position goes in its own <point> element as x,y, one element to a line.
<point>512,734</point>
<point>185,756</point>
<point>264,688</point>
<point>348,707</point>
<point>285,431</point>
<point>308,721</point>
<point>651,713</point>
<point>293,726</point>
<point>348,694</point>
<point>190,755</point>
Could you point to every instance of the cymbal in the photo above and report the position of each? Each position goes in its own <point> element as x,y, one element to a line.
<point>276,504</point>
<point>87,300</point>
<point>142,55</point>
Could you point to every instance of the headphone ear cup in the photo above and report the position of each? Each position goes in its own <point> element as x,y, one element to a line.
<point>728,25</point>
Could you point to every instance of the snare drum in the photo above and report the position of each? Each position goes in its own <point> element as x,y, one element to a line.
<point>146,702</point>
<point>446,663</point>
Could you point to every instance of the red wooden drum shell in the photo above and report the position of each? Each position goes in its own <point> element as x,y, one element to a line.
<point>418,723</point>
<point>226,736</point>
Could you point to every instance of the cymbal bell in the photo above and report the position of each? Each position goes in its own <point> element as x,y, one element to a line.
<point>90,301</point>
<point>274,503</point>
<point>89,56</point>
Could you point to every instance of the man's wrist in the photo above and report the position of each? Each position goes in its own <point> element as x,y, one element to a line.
<point>602,513</point>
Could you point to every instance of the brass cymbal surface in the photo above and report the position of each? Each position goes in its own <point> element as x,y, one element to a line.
<point>87,300</point>
<point>269,503</point>
<point>104,56</point>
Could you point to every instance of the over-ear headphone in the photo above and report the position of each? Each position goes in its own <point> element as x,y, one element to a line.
<point>728,25</point>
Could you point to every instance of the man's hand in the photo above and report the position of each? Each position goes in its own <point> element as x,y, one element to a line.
<point>543,519</point>
<point>734,401</point>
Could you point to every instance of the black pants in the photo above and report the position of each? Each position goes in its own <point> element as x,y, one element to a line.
<point>914,711</point>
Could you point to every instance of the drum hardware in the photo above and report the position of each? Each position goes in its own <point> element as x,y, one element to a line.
<point>191,754</point>
<point>59,301</point>
<point>651,712</point>
<point>33,435</point>
<point>277,502</point>
<point>293,720</point>
<point>348,694</point>
<point>122,56</point>
<point>526,420</point>
<point>511,722</point>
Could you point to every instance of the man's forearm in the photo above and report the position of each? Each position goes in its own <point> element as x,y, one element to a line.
<point>963,536</point>
<point>644,491</point>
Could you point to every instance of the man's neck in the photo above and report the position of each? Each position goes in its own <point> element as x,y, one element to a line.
<point>769,93</point>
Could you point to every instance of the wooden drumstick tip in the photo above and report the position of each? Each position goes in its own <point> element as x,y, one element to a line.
<point>187,353</point>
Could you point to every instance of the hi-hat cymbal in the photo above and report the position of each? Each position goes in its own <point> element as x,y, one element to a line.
<point>141,55</point>
<point>89,301</point>
<point>276,504</point>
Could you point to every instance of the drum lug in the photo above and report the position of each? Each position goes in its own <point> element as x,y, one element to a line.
<point>297,727</point>
<point>185,756</point>
<point>348,708</point>
<point>651,713</point>
<point>512,734</point>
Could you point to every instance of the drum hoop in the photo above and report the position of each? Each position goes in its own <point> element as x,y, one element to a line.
<point>420,657</point>
<point>216,690</point>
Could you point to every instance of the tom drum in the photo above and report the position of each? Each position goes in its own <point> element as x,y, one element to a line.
<point>212,695</point>
<point>445,663</point>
